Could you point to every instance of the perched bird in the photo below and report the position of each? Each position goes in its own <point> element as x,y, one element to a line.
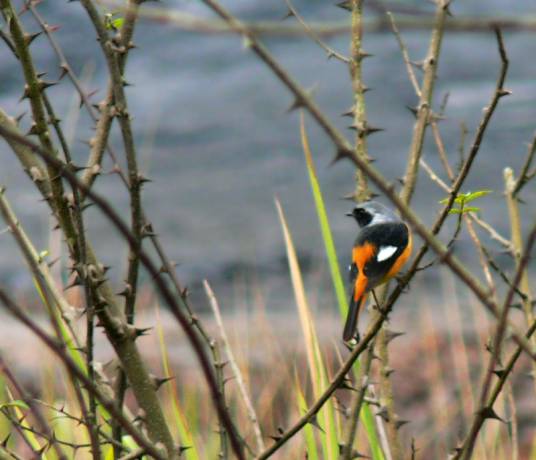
<point>382,247</point>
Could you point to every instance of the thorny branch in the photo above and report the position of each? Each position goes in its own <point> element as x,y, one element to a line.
<point>175,303</point>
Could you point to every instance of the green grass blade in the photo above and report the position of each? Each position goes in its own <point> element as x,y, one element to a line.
<point>325,228</point>
<point>366,415</point>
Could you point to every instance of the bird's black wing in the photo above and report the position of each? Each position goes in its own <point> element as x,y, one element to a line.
<point>390,234</point>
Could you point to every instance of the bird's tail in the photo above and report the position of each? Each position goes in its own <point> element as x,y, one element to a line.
<point>353,313</point>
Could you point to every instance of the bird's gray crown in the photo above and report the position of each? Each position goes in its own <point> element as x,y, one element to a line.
<point>372,213</point>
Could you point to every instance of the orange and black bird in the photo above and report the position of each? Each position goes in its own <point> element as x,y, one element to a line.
<point>382,247</point>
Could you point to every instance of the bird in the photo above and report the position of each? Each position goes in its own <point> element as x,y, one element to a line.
<point>382,247</point>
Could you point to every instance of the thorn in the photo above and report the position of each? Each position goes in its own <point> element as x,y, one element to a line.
<point>29,38</point>
<point>346,385</point>
<point>77,168</point>
<point>76,282</point>
<point>488,412</point>
<point>383,414</point>
<point>499,373</point>
<point>364,129</point>
<point>25,94</point>
<point>400,423</point>
<point>314,421</point>
<point>6,440</point>
<point>345,5</point>
<point>349,112</point>
<point>53,262</point>
<point>354,453</point>
<point>159,381</point>
<point>387,371</point>
<point>18,118</point>
<point>413,110</point>
<point>391,335</point>
<point>85,206</point>
<point>221,364</point>
<point>33,130</point>
<point>296,104</point>
<point>143,179</point>
<point>126,291</point>
<point>45,84</point>
<point>141,331</point>
<point>504,92</point>
<point>363,55</point>
<point>287,15</point>
<point>279,434</point>
<point>339,155</point>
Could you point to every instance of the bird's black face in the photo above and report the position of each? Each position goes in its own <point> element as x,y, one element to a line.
<point>361,215</point>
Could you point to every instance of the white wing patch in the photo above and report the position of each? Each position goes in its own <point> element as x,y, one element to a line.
<point>385,252</point>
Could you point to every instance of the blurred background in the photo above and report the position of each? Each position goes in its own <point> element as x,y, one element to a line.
<point>215,138</point>
<point>214,135</point>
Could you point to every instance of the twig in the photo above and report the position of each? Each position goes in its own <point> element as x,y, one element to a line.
<point>517,241</point>
<point>386,395</point>
<point>425,101</point>
<point>347,452</point>
<point>441,148</point>
<point>405,55</point>
<point>309,31</point>
<point>115,58</point>
<point>360,123</point>
<point>236,371</point>
<point>524,175</point>
<point>329,29</point>
<point>33,91</point>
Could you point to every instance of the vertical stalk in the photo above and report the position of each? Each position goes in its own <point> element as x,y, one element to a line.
<point>362,191</point>
<point>517,243</point>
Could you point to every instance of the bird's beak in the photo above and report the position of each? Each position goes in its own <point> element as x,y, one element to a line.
<point>350,214</point>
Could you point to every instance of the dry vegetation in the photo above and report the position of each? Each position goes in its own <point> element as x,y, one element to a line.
<point>220,394</point>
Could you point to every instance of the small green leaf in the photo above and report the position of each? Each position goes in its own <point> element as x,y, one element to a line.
<point>464,198</point>
<point>112,23</point>
<point>474,195</point>
<point>118,23</point>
